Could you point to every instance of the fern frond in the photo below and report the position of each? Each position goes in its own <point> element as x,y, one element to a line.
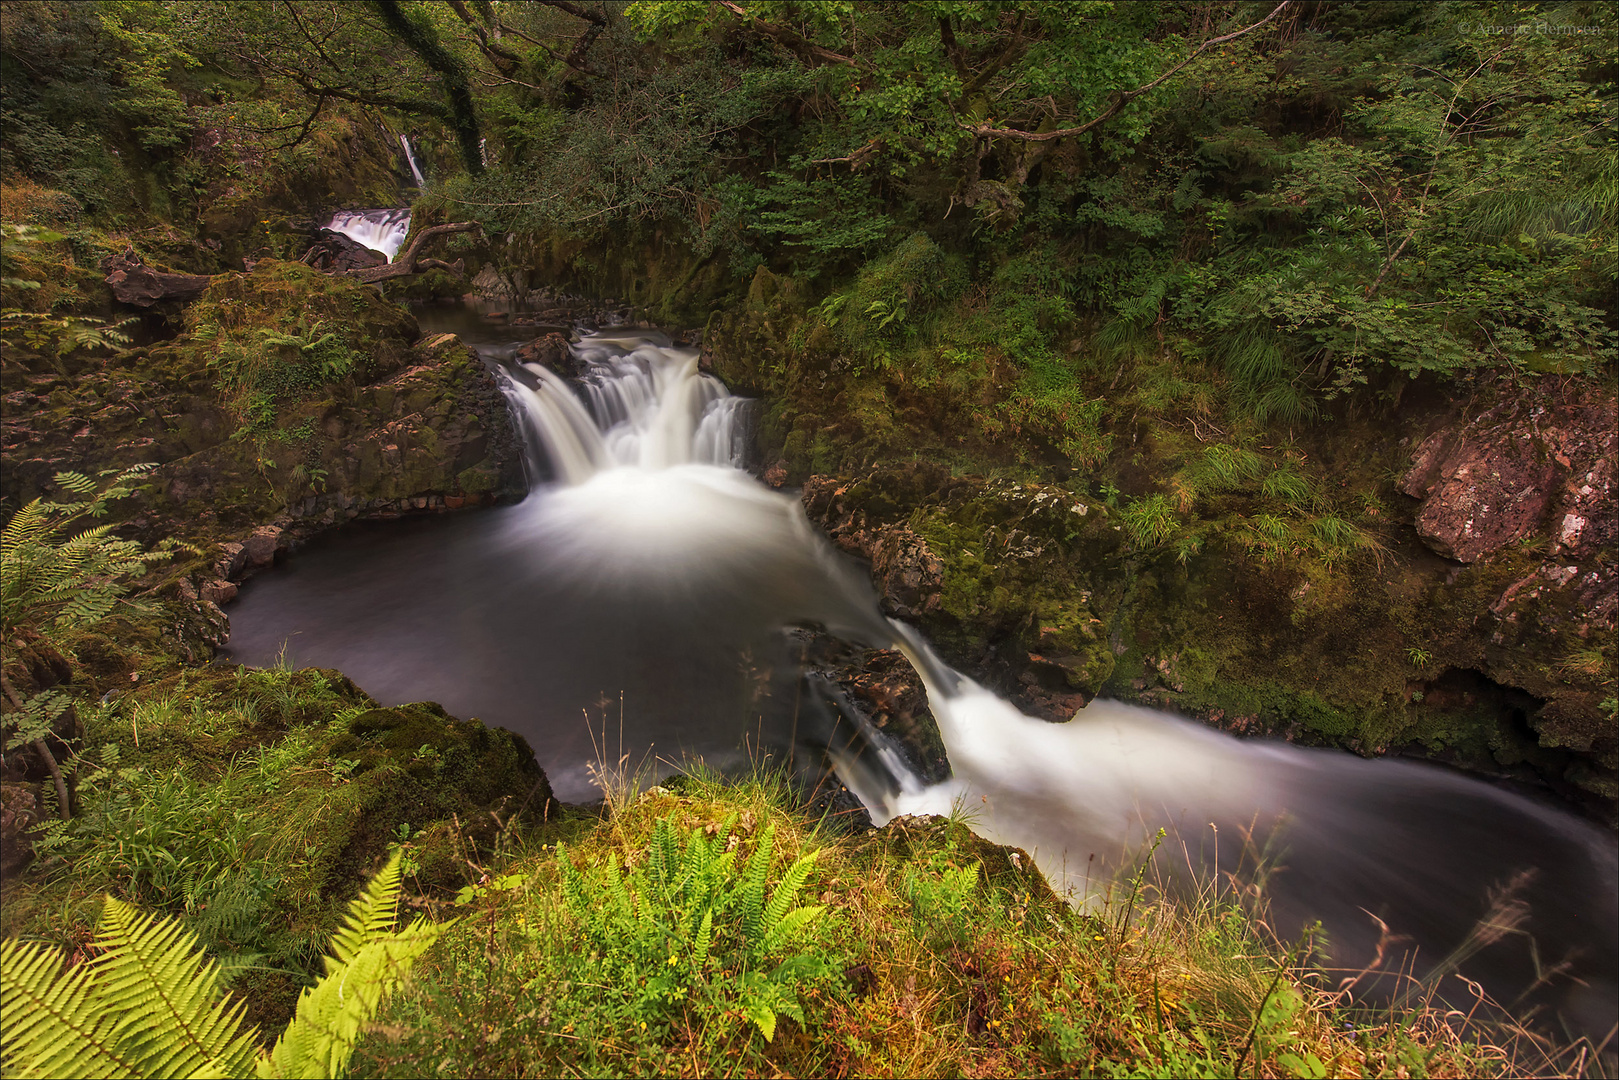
<point>332,1014</point>
<point>173,1018</point>
<point>53,1027</point>
<point>76,482</point>
<point>789,927</point>
<point>370,917</point>
<point>751,893</point>
<point>703,940</point>
<point>781,901</point>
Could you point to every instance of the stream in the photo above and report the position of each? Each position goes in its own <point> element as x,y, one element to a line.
<point>632,611</point>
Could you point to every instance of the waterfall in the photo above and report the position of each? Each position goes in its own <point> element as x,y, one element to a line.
<point>645,406</point>
<point>380,230</point>
<point>415,170</point>
<point>656,572</point>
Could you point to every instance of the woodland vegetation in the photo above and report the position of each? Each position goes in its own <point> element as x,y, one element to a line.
<point>1186,259</point>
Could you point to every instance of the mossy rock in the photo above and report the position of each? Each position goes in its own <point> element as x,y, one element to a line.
<point>418,765</point>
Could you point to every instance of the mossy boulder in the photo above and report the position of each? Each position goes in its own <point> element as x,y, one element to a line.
<point>418,765</point>
<point>293,396</point>
<point>1010,580</point>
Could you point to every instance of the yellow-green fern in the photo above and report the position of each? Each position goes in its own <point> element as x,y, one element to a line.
<point>151,1004</point>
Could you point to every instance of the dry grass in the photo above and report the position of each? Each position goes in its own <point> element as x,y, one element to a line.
<point>953,958</point>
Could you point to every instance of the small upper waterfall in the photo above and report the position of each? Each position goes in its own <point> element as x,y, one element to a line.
<point>410,157</point>
<point>380,230</point>
<point>644,405</point>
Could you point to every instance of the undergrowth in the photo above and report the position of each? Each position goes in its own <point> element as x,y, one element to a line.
<point>706,928</point>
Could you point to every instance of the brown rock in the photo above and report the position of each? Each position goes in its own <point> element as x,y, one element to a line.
<point>219,592</point>
<point>910,576</point>
<point>232,559</point>
<point>1541,462</point>
<point>337,252</point>
<point>260,549</point>
<point>19,812</point>
<point>550,351</point>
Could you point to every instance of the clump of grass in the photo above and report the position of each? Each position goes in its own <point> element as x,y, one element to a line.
<point>930,952</point>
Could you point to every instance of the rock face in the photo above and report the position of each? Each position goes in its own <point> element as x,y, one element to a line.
<point>335,252</point>
<point>983,568</point>
<point>19,813</point>
<point>550,351</point>
<point>1496,665</point>
<point>1529,465</point>
<point>411,426</point>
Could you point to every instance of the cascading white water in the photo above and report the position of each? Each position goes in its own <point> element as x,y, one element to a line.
<point>649,408</point>
<point>415,169</point>
<point>380,230</point>
<point>1414,844</point>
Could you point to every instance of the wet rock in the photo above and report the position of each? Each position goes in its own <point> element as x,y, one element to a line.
<point>408,422</point>
<point>333,251</point>
<point>260,549</point>
<point>231,561</point>
<point>550,351</point>
<point>219,592</point>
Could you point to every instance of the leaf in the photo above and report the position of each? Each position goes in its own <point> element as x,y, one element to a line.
<point>53,1027</point>
<point>173,1018</point>
<point>370,916</point>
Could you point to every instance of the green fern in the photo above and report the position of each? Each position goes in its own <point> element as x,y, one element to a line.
<point>153,1005</point>
<point>52,577</point>
<point>688,920</point>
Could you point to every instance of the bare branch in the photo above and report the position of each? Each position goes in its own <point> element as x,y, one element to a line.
<point>409,261</point>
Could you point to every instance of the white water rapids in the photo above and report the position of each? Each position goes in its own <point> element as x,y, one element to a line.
<point>379,230</point>
<point>649,551</point>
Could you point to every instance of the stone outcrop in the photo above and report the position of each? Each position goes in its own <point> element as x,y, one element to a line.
<point>415,426</point>
<point>336,253</point>
<point>133,282</point>
<point>1536,463</point>
<point>550,351</point>
<point>980,566</point>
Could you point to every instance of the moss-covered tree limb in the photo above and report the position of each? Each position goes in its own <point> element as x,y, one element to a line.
<point>410,261</point>
<point>416,32</point>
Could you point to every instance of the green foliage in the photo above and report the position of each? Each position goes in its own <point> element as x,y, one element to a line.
<point>59,335</point>
<point>1150,520</point>
<point>894,300</point>
<point>264,356</point>
<point>54,574</point>
<point>151,1004</point>
<point>368,960</point>
<point>689,922</point>
<point>148,57</point>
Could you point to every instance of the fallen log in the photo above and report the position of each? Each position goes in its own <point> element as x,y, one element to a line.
<point>409,261</point>
<point>133,282</point>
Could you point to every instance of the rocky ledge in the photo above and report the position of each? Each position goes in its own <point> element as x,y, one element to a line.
<point>1479,633</point>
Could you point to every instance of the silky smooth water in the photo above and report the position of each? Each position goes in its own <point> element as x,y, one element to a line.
<point>379,230</point>
<point>642,591</point>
